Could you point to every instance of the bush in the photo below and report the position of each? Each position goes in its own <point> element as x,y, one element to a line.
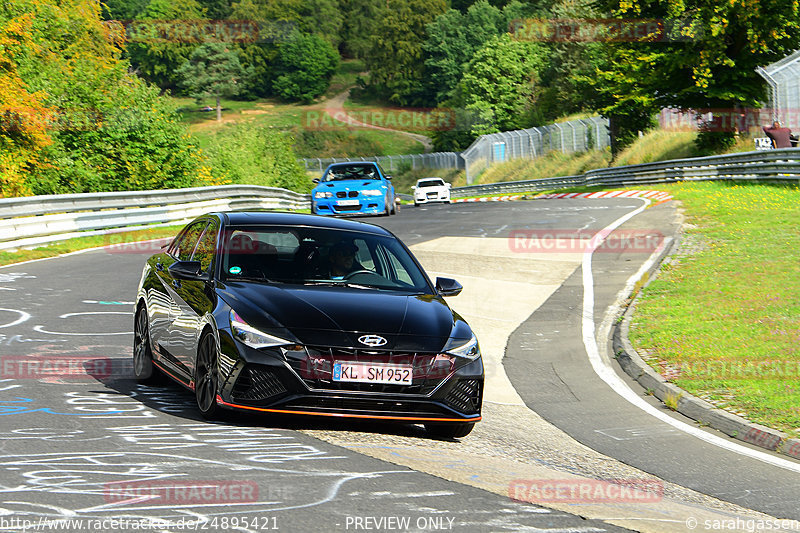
<point>248,154</point>
<point>305,66</point>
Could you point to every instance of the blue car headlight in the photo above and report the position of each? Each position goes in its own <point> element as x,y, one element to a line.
<point>252,337</point>
<point>372,192</point>
<point>323,194</point>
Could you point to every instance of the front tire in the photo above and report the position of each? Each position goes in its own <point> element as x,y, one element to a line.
<point>450,431</point>
<point>143,368</point>
<point>206,377</point>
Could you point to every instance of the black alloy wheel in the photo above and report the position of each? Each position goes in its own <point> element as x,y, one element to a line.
<point>143,368</point>
<point>206,377</point>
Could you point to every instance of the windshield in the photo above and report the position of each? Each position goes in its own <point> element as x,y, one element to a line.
<point>320,256</point>
<point>431,183</point>
<point>356,171</point>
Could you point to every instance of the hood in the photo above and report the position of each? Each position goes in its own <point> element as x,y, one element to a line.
<point>339,185</point>
<point>338,316</point>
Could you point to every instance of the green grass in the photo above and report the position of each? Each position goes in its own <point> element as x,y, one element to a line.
<point>726,313</point>
<point>547,166</point>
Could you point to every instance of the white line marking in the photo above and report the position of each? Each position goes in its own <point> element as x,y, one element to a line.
<point>604,371</point>
<point>23,316</point>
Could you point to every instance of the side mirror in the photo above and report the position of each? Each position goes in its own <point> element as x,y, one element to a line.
<point>315,180</point>
<point>448,287</point>
<point>388,177</point>
<point>448,185</point>
<point>414,187</point>
<point>188,270</point>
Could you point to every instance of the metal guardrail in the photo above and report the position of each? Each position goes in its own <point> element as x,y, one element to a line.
<point>34,220</point>
<point>780,165</point>
<point>30,221</point>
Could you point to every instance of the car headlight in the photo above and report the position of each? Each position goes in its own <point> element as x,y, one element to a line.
<point>372,192</point>
<point>467,350</point>
<point>323,194</point>
<point>251,336</point>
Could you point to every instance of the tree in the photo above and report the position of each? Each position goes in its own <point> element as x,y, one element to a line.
<point>159,45</point>
<point>707,55</point>
<point>396,57</point>
<point>213,71</point>
<point>79,121</point>
<point>304,67</point>
<point>499,83</point>
<point>358,22</point>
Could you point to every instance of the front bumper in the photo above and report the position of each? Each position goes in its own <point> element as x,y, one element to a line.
<point>265,381</point>
<point>366,206</point>
<point>430,199</point>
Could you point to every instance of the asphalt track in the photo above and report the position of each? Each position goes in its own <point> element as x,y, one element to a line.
<point>67,442</point>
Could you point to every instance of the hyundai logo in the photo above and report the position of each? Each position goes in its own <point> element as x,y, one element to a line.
<point>372,340</point>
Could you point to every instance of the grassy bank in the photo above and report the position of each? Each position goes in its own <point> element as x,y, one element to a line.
<point>722,320</point>
<point>120,240</point>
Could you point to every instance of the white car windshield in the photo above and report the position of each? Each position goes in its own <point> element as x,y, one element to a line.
<point>431,183</point>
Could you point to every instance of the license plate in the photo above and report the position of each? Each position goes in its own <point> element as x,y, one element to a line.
<point>347,202</point>
<point>372,373</point>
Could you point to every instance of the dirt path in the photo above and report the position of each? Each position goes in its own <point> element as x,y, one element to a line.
<point>334,108</point>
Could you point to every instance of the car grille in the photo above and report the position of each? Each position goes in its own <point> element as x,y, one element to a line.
<point>257,383</point>
<point>465,396</point>
<point>341,194</point>
<point>348,207</point>
<point>315,367</point>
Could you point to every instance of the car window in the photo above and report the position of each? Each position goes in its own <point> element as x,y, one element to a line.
<point>206,247</point>
<point>431,183</point>
<point>356,171</point>
<point>310,255</point>
<point>183,248</point>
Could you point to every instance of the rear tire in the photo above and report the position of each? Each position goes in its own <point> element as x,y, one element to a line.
<point>450,431</point>
<point>206,377</point>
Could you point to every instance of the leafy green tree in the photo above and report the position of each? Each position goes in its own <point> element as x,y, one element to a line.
<point>452,40</point>
<point>158,45</point>
<point>213,71</point>
<point>97,127</point>
<point>304,67</point>
<point>499,83</point>
<point>707,58</point>
<point>358,23</point>
<point>396,56</point>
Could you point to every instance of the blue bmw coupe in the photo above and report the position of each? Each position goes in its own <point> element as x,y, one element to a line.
<point>355,188</point>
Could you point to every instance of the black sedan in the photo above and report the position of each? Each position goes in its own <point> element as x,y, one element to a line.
<point>301,314</point>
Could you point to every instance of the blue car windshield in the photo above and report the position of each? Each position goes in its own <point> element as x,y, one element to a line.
<point>356,171</point>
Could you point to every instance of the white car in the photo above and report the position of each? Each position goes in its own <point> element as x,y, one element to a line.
<point>431,190</point>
